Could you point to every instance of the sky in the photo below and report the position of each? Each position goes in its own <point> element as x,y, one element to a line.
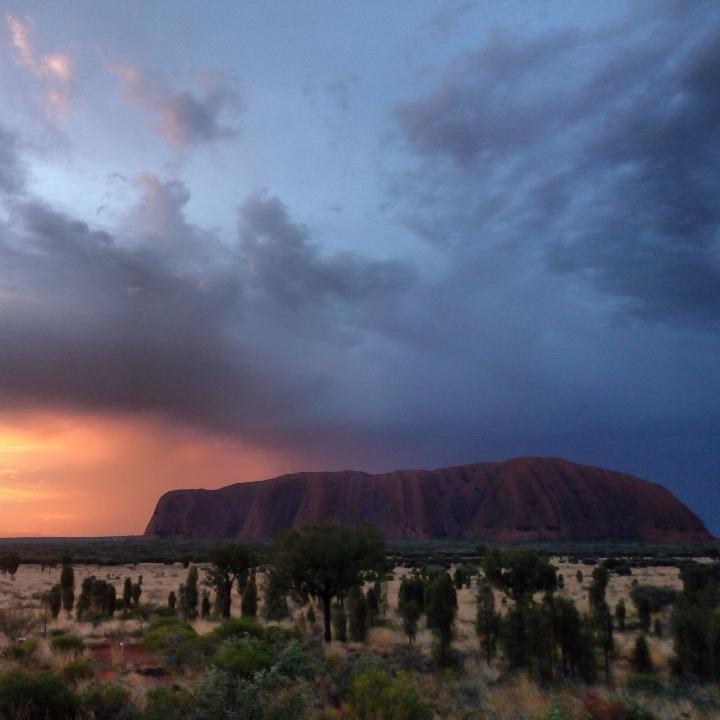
<point>239,239</point>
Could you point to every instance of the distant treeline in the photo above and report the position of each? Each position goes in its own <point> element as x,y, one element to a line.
<point>131,550</point>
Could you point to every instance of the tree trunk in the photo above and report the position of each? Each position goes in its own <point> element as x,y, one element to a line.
<point>326,613</point>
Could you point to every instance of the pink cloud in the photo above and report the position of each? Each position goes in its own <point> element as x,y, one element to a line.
<point>185,118</point>
<point>54,71</point>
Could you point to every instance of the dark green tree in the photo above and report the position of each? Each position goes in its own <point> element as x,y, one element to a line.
<point>55,600</point>
<point>374,595</point>
<point>326,560</point>
<point>189,595</point>
<point>604,633</point>
<point>275,606</point>
<point>9,564</point>
<point>231,563</point>
<point>205,606</point>
<point>620,615</point>
<point>127,592</point>
<point>441,613</point>
<point>640,659</point>
<point>357,615</point>
<point>520,573</point>
<point>598,587</point>
<point>172,601</point>
<point>412,587</point>
<point>97,597</point>
<point>487,625</point>
<point>340,623</point>
<point>644,614</point>
<point>587,666</point>
<point>567,633</point>
<point>137,592</point>
<point>249,600</point>
<point>410,613</point>
<point>696,621</point>
<point>67,587</point>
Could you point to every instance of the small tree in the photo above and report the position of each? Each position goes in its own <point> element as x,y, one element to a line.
<point>137,592</point>
<point>340,623</point>
<point>487,625</point>
<point>598,586</point>
<point>9,564</point>
<point>357,615</point>
<point>374,595</point>
<point>172,602</point>
<point>189,595</point>
<point>275,606</point>
<point>231,563</point>
<point>640,659</point>
<point>96,597</point>
<point>410,613</point>
<point>205,606</point>
<point>604,632</point>
<point>579,577</point>
<point>520,573</point>
<point>55,600</point>
<point>441,613</point>
<point>127,592</point>
<point>67,587</point>
<point>412,587</point>
<point>326,560</point>
<point>620,615</point>
<point>248,603</point>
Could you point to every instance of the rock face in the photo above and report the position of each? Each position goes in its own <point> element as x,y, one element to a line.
<point>522,499</point>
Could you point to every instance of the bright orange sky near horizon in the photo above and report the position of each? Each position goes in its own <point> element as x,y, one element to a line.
<point>65,474</point>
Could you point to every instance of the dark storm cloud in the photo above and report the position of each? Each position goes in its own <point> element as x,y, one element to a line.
<point>160,316</point>
<point>598,153</point>
<point>286,265</point>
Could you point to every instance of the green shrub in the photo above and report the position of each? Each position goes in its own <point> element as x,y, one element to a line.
<point>175,640</point>
<point>242,656</point>
<point>23,653</point>
<point>106,701</point>
<point>168,702</point>
<point>293,661</point>
<point>234,627</point>
<point>77,671</point>
<point>376,696</point>
<point>25,696</point>
<point>294,702</point>
<point>67,644</point>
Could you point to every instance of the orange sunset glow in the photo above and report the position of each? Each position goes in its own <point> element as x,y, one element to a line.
<point>75,474</point>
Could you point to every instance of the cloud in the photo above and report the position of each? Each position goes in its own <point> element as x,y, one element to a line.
<point>185,118</point>
<point>54,70</point>
<point>12,171</point>
<point>157,315</point>
<point>594,154</point>
<point>342,89</point>
<point>288,267</point>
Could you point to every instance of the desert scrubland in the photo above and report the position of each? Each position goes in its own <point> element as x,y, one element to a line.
<point>117,673</point>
